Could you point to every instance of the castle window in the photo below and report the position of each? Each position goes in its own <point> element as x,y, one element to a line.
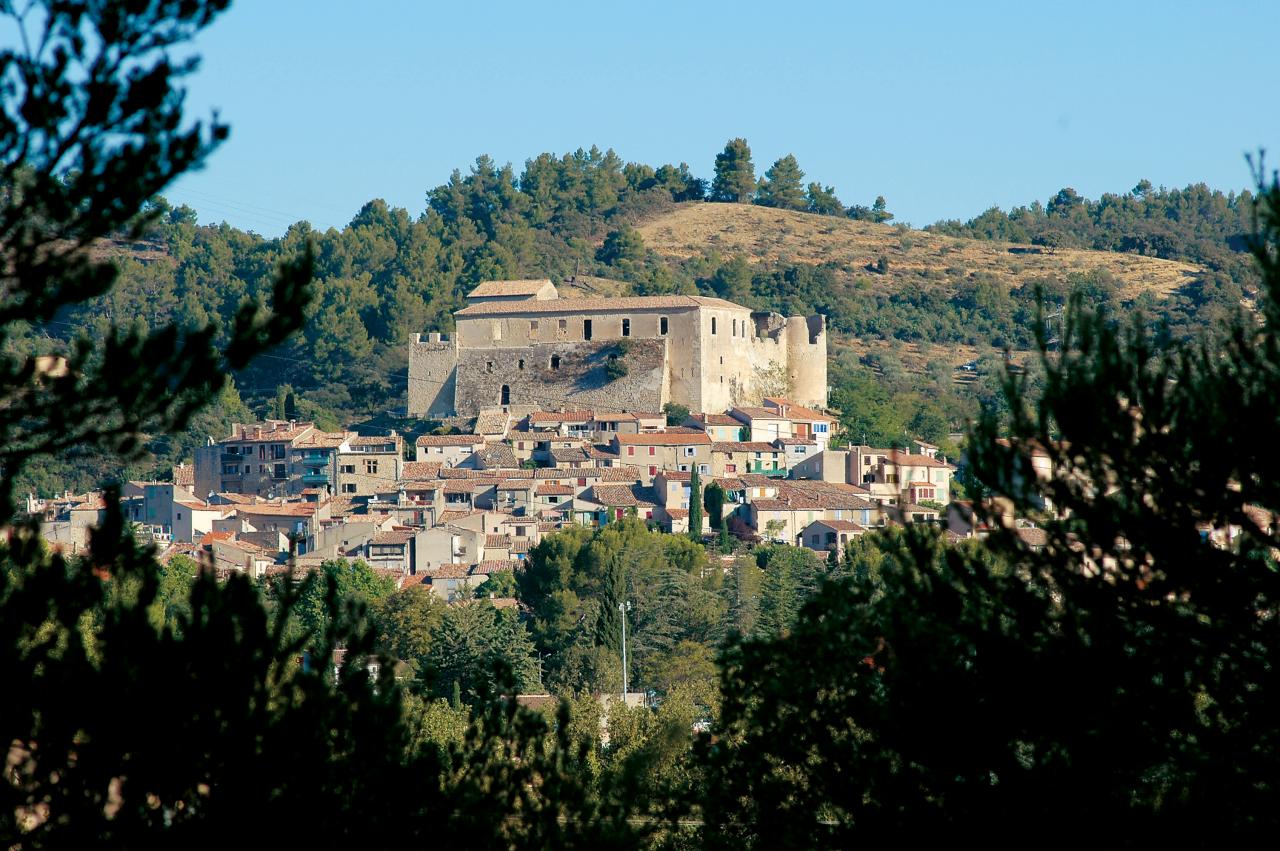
<point>506,394</point>
<point>520,364</point>
<point>626,327</point>
<point>488,366</point>
<point>555,359</point>
<point>533,327</point>
<point>564,325</point>
<point>662,325</point>
<point>713,325</point>
<point>735,328</point>
<point>586,329</point>
<point>722,360</point>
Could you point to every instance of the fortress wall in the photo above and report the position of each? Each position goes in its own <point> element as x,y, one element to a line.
<point>807,359</point>
<point>433,359</point>
<point>577,381</point>
<point>567,327</point>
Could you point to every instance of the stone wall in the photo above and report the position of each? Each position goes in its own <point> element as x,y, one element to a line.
<point>568,375</point>
<point>432,361</point>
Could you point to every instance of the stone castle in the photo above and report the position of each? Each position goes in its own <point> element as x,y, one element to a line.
<point>518,343</point>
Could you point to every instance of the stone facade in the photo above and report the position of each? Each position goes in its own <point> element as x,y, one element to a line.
<point>705,353</point>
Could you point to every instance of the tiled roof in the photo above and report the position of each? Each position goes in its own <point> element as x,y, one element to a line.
<point>797,412</point>
<point>715,420</point>
<point>744,446</point>
<point>420,470</point>
<point>491,566</point>
<point>449,440</point>
<point>375,440</point>
<point>625,473</point>
<point>323,440</point>
<point>906,459</point>
<point>448,571</point>
<point>497,455</point>
<point>554,490</point>
<point>569,455</point>
<point>677,513</point>
<point>676,475</point>
<point>294,509</point>
<point>515,485</point>
<point>840,525</point>
<point>614,495</point>
<point>397,536</point>
<point>1033,537</point>
<point>614,417</point>
<point>755,413</point>
<point>497,541</point>
<point>548,417</point>
<point>795,441</point>
<point>492,422</point>
<point>184,475</point>
<point>663,438</point>
<point>491,289</point>
<point>592,305</point>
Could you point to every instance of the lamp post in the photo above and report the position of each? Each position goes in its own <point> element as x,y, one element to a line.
<point>624,608</point>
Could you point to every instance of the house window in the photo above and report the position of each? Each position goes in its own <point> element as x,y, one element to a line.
<point>555,359</point>
<point>347,468</point>
<point>586,329</point>
<point>563,325</point>
<point>631,450</point>
<point>626,327</point>
<point>582,483</point>
<point>371,466</point>
<point>179,515</point>
<point>662,325</point>
<point>348,488</point>
<point>704,469</point>
<point>653,471</point>
<point>713,325</point>
<point>653,450</point>
<point>689,451</point>
<point>279,471</point>
<point>731,468</point>
<point>533,327</point>
<point>506,394</point>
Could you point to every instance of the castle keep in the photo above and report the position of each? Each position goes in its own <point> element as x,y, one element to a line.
<point>519,343</point>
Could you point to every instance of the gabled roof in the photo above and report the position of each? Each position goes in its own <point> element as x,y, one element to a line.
<point>714,420</point>
<point>744,446</point>
<point>497,289</point>
<point>796,412</point>
<point>548,417</point>
<point>420,471</point>
<point>396,536</point>
<point>839,525</point>
<point>906,459</point>
<point>449,440</point>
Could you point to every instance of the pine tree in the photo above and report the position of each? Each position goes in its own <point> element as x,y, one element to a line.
<point>783,186</point>
<point>735,178</point>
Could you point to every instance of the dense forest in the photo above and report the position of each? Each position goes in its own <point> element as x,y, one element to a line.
<point>389,274</point>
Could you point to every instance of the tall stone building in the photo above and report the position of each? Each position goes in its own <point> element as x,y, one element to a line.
<point>519,343</point>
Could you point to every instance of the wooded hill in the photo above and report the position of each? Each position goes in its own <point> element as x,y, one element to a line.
<point>389,273</point>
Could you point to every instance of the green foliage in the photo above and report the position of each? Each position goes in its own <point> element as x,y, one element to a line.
<point>735,178</point>
<point>338,579</point>
<point>479,647</point>
<point>676,413</point>
<point>620,246</point>
<point>713,502</point>
<point>1122,674</point>
<point>695,506</point>
<point>822,200</point>
<point>500,584</point>
<point>783,186</point>
<point>407,622</point>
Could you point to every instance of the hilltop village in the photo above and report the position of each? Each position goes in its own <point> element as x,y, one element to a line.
<point>554,411</point>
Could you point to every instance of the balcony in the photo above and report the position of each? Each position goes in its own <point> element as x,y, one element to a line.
<point>313,459</point>
<point>315,478</point>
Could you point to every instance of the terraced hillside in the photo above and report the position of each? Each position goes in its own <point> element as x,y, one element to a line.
<point>767,235</point>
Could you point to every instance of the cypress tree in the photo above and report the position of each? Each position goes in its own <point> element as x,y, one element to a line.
<point>695,506</point>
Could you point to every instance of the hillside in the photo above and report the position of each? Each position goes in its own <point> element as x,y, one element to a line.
<point>766,235</point>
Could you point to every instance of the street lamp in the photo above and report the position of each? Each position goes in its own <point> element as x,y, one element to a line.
<point>624,608</point>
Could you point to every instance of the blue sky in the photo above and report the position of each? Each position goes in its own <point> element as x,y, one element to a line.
<point>945,108</point>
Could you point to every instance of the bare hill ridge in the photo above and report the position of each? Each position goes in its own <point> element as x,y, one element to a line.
<point>766,235</point>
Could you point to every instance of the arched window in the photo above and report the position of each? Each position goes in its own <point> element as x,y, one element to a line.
<point>506,395</point>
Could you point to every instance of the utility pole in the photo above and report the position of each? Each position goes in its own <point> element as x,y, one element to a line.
<point>624,608</point>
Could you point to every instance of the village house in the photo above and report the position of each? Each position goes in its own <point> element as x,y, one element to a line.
<point>449,450</point>
<point>656,451</point>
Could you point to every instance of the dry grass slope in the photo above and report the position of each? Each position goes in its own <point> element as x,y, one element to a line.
<point>769,236</point>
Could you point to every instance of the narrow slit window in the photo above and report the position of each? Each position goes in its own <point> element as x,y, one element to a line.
<point>586,329</point>
<point>555,361</point>
<point>626,327</point>
<point>662,325</point>
<point>506,394</point>
<point>713,325</point>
